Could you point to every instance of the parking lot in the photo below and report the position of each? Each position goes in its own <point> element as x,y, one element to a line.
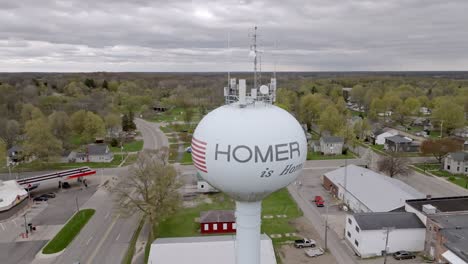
<point>48,217</point>
<point>309,185</point>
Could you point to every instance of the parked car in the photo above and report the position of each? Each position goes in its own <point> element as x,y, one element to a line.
<point>48,195</point>
<point>302,243</point>
<point>40,199</point>
<point>65,185</point>
<point>314,252</point>
<point>188,150</point>
<point>399,255</point>
<point>319,202</point>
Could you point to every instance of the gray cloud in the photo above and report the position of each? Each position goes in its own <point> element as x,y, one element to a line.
<point>178,35</point>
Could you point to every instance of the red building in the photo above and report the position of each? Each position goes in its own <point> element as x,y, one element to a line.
<point>217,221</point>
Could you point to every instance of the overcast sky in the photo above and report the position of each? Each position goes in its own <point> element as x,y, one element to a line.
<point>177,35</point>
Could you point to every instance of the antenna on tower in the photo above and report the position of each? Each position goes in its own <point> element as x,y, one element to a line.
<point>274,60</point>
<point>253,52</point>
<point>229,58</point>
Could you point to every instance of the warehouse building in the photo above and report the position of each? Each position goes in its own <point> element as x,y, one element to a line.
<point>364,190</point>
<point>204,250</point>
<point>368,233</point>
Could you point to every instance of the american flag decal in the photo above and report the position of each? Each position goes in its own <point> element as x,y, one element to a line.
<point>199,154</point>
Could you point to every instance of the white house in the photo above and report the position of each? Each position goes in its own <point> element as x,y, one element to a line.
<point>456,162</point>
<point>330,145</point>
<point>204,250</point>
<point>367,233</point>
<point>93,153</point>
<point>380,138</point>
<point>364,190</point>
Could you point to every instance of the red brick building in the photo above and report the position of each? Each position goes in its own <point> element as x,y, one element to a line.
<point>217,221</point>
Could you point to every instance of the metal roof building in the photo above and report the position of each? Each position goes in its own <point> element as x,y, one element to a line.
<point>368,191</point>
<point>204,250</point>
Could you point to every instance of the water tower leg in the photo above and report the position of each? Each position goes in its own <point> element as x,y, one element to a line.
<point>248,218</point>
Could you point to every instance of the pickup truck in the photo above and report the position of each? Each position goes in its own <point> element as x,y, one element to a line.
<point>302,243</point>
<point>319,202</point>
<point>314,252</point>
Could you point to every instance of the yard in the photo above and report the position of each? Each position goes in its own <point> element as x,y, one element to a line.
<point>132,146</point>
<point>279,203</point>
<point>435,169</point>
<point>175,114</point>
<point>39,165</point>
<point>180,137</point>
<point>66,235</point>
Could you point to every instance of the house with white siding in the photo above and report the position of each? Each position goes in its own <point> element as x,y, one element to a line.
<point>368,233</point>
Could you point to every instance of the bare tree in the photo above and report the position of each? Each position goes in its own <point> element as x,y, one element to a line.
<point>151,188</point>
<point>393,165</point>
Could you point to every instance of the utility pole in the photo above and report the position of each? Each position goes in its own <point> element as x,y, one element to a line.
<point>441,125</point>
<point>386,244</point>
<point>326,224</point>
<point>25,224</point>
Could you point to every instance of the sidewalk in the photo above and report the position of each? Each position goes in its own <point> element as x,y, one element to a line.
<point>139,256</point>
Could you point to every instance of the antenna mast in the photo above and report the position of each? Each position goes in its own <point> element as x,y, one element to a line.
<point>253,48</point>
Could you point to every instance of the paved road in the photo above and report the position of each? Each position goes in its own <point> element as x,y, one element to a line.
<point>152,136</point>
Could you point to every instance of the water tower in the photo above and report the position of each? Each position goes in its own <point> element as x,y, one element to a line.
<point>248,149</point>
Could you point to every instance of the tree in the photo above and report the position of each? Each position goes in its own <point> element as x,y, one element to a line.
<point>151,188</point>
<point>362,128</point>
<point>127,122</point>
<point>60,124</point>
<point>30,112</point>
<point>331,120</point>
<point>440,147</point>
<point>3,153</point>
<point>90,83</point>
<point>393,165</point>
<point>286,99</point>
<point>112,122</point>
<point>452,115</point>
<point>188,115</point>
<point>78,120</point>
<point>9,131</point>
<point>310,108</point>
<point>105,85</point>
<point>41,143</point>
<point>93,127</point>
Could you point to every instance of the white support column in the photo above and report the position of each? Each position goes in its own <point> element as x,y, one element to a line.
<point>248,219</point>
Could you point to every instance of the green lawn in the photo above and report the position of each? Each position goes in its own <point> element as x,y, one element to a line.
<point>318,156</point>
<point>175,114</point>
<point>183,223</point>
<point>66,235</point>
<point>133,146</point>
<point>132,158</point>
<point>186,159</point>
<point>435,169</point>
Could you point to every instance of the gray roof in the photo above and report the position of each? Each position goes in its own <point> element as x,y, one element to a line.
<point>15,148</point>
<point>96,149</point>
<point>443,204</point>
<point>379,193</point>
<point>332,139</point>
<point>397,220</point>
<point>459,156</point>
<point>455,230</point>
<point>398,139</point>
<point>217,216</point>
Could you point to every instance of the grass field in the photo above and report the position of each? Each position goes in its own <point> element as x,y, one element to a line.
<point>186,159</point>
<point>318,156</point>
<point>66,235</point>
<point>133,146</point>
<point>183,223</point>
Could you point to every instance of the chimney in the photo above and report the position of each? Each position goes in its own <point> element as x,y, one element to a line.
<point>429,197</point>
